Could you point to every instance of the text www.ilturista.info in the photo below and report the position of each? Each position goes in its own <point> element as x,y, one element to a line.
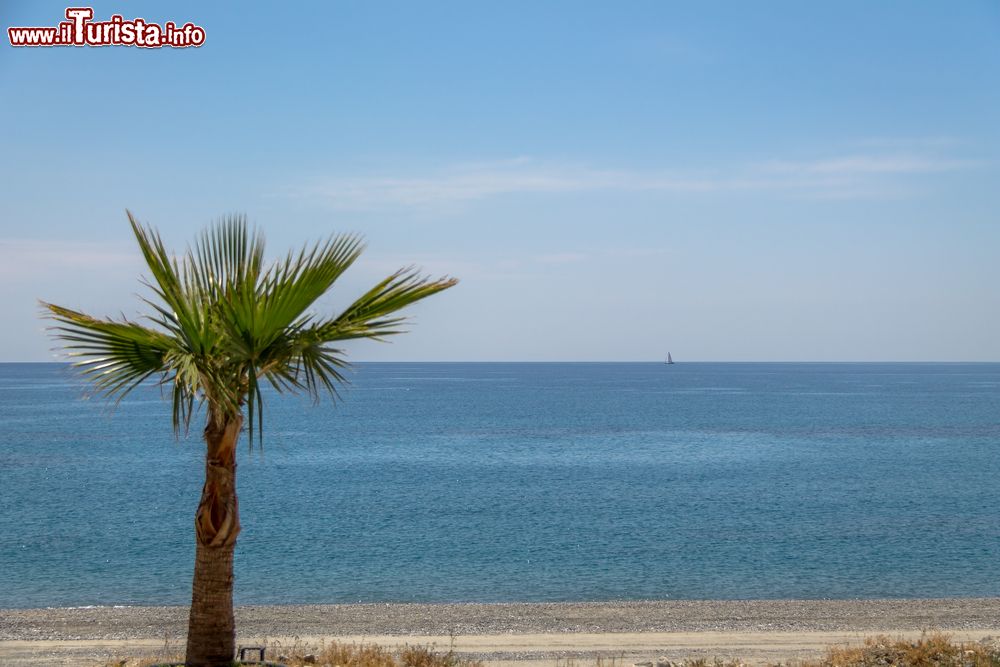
<point>80,30</point>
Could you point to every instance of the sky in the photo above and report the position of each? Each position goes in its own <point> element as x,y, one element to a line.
<point>610,181</point>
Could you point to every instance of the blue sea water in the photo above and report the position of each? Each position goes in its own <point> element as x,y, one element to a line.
<point>539,482</point>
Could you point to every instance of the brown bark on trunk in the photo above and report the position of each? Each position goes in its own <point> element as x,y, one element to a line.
<point>211,640</point>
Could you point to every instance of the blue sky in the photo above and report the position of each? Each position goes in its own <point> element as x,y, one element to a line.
<point>727,181</point>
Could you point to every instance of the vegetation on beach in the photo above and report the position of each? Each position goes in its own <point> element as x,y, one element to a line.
<point>334,654</point>
<point>222,324</point>
<point>930,650</point>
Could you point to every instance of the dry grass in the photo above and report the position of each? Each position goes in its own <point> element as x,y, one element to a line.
<point>333,654</point>
<point>369,655</point>
<point>930,650</point>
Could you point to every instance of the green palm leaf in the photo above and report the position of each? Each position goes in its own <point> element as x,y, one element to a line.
<point>115,356</point>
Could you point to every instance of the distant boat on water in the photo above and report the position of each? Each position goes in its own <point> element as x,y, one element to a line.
<point>669,360</point>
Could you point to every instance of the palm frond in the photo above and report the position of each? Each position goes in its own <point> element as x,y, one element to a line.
<point>229,256</point>
<point>183,314</point>
<point>301,359</point>
<point>256,318</point>
<point>373,314</point>
<point>115,356</point>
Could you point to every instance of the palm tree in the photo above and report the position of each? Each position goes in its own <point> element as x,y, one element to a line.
<point>222,323</point>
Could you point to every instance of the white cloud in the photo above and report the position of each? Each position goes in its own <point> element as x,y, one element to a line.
<point>469,182</point>
<point>855,175</point>
<point>24,257</point>
<point>858,165</point>
<point>913,143</point>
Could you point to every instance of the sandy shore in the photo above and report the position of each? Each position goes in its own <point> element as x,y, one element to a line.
<point>756,631</point>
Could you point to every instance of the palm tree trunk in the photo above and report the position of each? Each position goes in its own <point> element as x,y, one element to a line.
<point>211,640</point>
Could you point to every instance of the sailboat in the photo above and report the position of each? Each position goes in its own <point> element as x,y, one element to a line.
<point>669,360</point>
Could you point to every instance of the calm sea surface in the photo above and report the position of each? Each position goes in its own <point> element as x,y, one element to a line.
<point>500,482</point>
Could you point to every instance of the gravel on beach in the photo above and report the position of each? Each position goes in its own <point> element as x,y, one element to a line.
<point>82,623</point>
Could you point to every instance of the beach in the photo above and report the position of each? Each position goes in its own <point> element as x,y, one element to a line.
<point>756,631</point>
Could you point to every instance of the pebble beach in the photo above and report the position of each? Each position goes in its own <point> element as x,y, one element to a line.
<point>536,633</point>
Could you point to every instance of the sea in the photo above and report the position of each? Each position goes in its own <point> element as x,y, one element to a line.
<point>494,482</point>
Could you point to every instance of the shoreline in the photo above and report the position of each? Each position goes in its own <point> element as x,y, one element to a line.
<point>523,634</point>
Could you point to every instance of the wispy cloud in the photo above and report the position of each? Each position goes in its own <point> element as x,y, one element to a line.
<point>502,266</point>
<point>469,182</point>
<point>860,165</point>
<point>23,257</point>
<point>859,174</point>
<point>937,143</point>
